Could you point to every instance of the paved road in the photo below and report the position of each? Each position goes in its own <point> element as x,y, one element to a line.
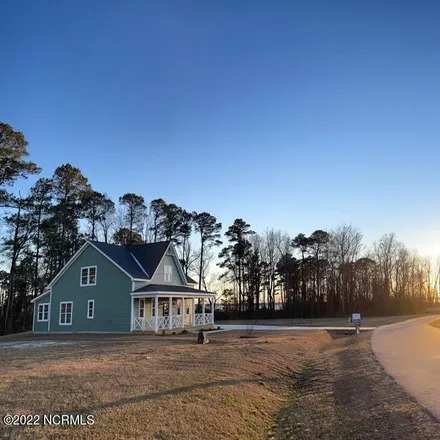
<point>410,352</point>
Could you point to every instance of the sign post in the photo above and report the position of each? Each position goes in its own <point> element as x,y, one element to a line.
<point>356,320</point>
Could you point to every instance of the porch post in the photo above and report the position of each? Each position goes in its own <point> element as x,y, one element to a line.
<point>203,310</point>
<point>193,317</point>
<point>156,312</point>
<point>183,312</point>
<point>212,309</point>
<point>132,313</point>
<point>170,312</point>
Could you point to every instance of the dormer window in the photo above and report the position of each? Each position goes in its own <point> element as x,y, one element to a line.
<point>168,271</point>
<point>88,276</point>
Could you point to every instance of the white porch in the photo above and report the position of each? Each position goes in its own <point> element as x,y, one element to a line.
<point>160,312</point>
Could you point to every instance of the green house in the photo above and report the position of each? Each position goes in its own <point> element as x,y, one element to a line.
<point>110,288</point>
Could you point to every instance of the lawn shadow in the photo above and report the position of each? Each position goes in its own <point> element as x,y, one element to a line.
<point>176,391</point>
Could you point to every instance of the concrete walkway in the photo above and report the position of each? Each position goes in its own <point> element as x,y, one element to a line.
<point>410,352</point>
<point>227,327</point>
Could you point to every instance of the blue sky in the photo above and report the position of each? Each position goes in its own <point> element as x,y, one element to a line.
<point>297,115</point>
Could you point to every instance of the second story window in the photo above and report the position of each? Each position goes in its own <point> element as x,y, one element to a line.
<point>88,276</point>
<point>167,271</point>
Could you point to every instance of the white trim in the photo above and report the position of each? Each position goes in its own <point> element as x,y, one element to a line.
<point>88,309</point>
<point>156,312</point>
<point>167,273</point>
<point>170,312</point>
<point>177,261</point>
<point>71,313</point>
<point>78,253</point>
<point>168,294</point>
<point>50,310</point>
<point>40,296</point>
<point>132,313</point>
<point>139,264</point>
<point>88,276</point>
<point>68,264</point>
<point>133,285</point>
<point>140,279</point>
<point>38,312</point>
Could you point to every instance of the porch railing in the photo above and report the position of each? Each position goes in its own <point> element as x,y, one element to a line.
<point>177,321</point>
<point>143,324</point>
<point>163,322</point>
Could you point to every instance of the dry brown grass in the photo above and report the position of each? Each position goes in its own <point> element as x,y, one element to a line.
<point>345,394</point>
<point>145,387</point>
<point>294,386</point>
<point>436,323</point>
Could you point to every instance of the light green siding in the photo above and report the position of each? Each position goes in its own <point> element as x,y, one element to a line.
<point>111,295</point>
<point>175,275</point>
<point>40,326</point>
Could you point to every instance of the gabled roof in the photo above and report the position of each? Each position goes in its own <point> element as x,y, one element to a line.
<point>139,261</point>
<point>121,256</point>
<point>149,255</point>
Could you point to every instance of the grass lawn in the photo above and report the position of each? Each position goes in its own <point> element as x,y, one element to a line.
<point>331,322</point>
<point>280,385</point>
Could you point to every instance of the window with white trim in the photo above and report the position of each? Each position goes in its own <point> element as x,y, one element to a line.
<point>90,309</point>
<point>66,309</point>
<point>167,272</point>
<point>43,312</point>
<point>88,276</point>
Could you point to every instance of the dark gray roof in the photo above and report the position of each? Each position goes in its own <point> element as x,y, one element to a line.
<point>190,280</point>
<point>148,255</point>
<point>168,288</point>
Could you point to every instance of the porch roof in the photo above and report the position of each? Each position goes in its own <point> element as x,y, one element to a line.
<point>155,289</point>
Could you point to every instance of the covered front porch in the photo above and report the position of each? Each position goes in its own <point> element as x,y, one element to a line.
<point>166,311</point>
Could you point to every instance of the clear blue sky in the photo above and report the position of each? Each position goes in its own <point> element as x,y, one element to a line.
<point>292,114</point>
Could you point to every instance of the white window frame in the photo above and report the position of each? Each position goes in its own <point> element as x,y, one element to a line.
<point>92,301</point>
<point>38,312</point>
<point>71,312</point>
<point>141,302</point>
<point>88,276</point>
<point>167,273</point>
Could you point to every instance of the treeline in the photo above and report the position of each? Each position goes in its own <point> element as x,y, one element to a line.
<point>324,274</point>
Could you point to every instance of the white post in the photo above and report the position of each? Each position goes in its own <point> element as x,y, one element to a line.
<point>132,313</point>
<point>183,312</point>
<point>156,312</point>
<point>203,310</point>
<point>212,309</point>
<point>170,312</point>
<point>193,318</point>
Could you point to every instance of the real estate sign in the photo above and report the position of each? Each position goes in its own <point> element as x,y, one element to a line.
<point>356,319</point>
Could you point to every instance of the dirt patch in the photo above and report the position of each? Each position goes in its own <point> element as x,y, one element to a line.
<point>345,394</point>
<point>32,344</point>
